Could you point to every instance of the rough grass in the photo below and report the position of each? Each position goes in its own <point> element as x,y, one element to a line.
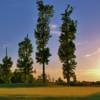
<point>93,97</point>
<point>50,93</point>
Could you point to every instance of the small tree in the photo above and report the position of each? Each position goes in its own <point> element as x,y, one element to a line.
<point>67,48</point>
<point>6,69</point>
<point>42,34</point>
<point>1,76</point>
<point>18,77</point>
<point>25,61</point>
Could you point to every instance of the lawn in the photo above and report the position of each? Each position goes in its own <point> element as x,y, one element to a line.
<point>50,93</point>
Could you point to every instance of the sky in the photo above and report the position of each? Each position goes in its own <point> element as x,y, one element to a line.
<point>18,18</point>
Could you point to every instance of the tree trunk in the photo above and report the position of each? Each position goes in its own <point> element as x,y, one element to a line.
<point>43,73</point>
<point>68,80</point>
<point>25,76</point>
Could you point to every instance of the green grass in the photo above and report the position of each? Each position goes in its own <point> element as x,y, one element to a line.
<point>92,97</point>
<point>15,85</point>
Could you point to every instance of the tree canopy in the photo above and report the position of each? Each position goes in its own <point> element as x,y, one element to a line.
<point>67,48</point>
<point>25,61</point>
<point>42,34</point>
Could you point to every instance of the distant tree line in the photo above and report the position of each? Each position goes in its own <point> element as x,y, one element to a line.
<point>66,52</point>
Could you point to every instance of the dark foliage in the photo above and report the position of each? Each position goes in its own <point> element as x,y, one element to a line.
<point>25,61</point>
<point>42,34</point>
<point>67,48</point>
<point>5,69</point>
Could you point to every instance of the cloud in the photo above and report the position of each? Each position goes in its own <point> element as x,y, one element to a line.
<point>82,43</point>
<point>53,26</point>
<point>55,32</point>
<point>54,29</point>
<point>93,53</point>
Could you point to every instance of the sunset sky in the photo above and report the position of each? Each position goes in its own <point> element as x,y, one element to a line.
<point>19,17</point>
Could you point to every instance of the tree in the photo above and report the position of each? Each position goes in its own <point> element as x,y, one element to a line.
<point>67,48</point>
<point>1,75</point>
<point>25,61</point>
<point>59,81</point>
<point>6,69</point>
<point>42,34</point>
<point>18,77</point>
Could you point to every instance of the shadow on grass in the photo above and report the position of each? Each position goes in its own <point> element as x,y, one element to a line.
<point>92,97</point>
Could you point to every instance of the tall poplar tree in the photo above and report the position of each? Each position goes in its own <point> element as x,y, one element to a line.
<point>42,34</point>
<point>25,61</point>
<point>67,48</point>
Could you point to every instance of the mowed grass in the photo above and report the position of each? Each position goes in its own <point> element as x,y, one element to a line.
<point>50,93</point>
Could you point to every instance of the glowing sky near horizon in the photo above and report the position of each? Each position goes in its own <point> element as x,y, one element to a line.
<point>18,17</point>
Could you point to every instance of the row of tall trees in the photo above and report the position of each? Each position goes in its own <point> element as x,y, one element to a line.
<point>66,51</point>
<point>23,72</point>
<point>67,48</point>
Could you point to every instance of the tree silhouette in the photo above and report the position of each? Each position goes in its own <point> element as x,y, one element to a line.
<point>25,61</point>
<point>67,48</point>
<point>42,34</point>
<point>6,68</point>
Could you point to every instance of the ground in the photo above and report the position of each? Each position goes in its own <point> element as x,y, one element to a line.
<point>50,93</point>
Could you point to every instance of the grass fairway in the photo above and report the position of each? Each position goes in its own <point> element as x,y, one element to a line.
<point>50,93</point>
